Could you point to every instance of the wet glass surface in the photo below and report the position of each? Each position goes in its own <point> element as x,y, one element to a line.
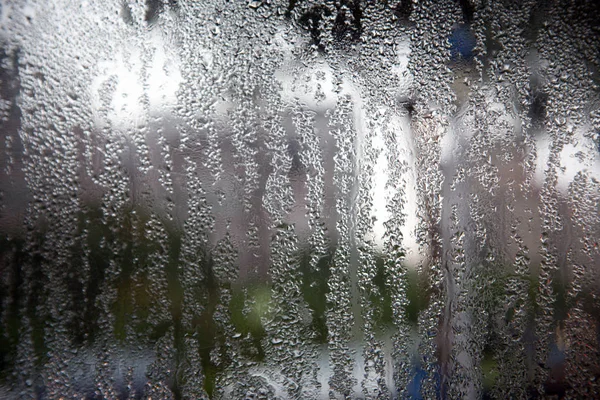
<point>269,199</point>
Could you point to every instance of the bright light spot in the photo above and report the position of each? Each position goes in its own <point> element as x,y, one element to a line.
<point>542,146</point>
<point>578,155</point>
<point>135,94</point>
<point>164,76</point>
<point>379,193</point>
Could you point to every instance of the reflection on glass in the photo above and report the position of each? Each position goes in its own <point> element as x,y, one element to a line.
<point>299,199</point>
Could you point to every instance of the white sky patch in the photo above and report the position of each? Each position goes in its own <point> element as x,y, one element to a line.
<point>400,68</point>
<point>407,154</point>
<point>380,194</point>
<point>313,87</point>
<point>160,86</point>
<point>164,75</point>
<point>383,193</point>
<point>406,142</point>
<point>578,155</point>
<point>542,146</point>
<point>448,145</point>
<point>126,104</point>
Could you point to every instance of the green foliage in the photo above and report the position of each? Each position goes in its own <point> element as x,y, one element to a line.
<point>489,368</point>
<point>381,298</point>
<point>314,290</point>
<point>248,307</point>
<point>418,294</point>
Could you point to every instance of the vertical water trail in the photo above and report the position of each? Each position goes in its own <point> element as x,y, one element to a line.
<point>282,199</point>
<point>433,106</point>
<point>567,127</point>
<point>340,319</point>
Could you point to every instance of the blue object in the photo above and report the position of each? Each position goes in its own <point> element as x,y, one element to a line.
<point>414,387</point>
<point>462,42</point>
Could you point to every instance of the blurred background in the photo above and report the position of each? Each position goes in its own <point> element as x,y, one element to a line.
<point>299,199</point>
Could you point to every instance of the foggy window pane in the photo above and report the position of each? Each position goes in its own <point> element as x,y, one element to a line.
<point>299,199</point>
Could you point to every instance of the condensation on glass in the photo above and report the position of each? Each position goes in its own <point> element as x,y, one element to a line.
<point>270,199</point>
